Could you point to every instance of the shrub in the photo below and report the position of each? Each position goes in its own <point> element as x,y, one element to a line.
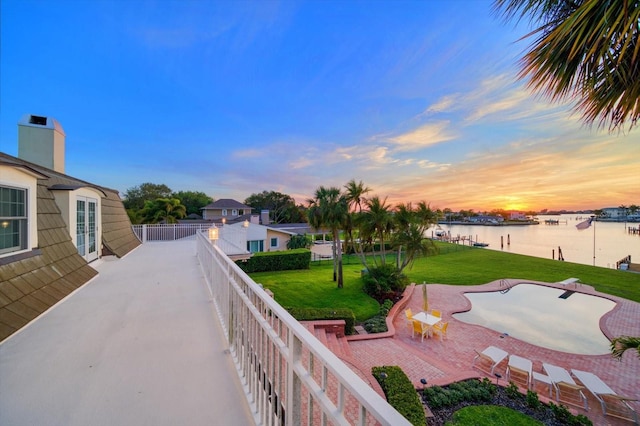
<point>400,393</point>
<point>299,241</point>
<point>378,324</point>
<point>276,261</point>
<point>532,400</point>
<point>313,314</point>
<point>512,391</point>
<point>384,282</point>
<point>469,390</point>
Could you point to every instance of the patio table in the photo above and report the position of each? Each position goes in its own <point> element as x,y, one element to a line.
<point>428,319</point>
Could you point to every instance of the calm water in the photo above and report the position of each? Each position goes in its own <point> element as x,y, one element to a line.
<point>537,315</point>
<point>612,242</point>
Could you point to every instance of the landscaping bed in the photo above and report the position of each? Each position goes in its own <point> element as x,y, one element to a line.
<point>456,396</point>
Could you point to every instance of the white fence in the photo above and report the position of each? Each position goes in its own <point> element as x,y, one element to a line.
<point>289,376</point>
<point>168,232</point>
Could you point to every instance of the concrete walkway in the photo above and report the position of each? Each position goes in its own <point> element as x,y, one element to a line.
<point>138,345</point>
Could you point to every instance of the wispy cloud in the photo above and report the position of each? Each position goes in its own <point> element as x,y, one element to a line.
<point>424,136</point>
<point>444,104</point>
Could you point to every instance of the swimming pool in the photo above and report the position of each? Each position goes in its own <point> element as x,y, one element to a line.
<point>537,314</point>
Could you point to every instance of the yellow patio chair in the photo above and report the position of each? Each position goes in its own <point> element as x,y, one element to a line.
<point>436,313</point>
<point>441,329</point>
<point>421,329</point>
<point>409,315</point>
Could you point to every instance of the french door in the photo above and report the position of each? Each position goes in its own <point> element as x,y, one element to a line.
<point>87,228</point>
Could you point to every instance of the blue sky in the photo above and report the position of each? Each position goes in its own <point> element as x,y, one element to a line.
<point>419,100</point>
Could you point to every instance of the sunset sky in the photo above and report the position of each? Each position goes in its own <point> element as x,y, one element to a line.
<point>419,100</point>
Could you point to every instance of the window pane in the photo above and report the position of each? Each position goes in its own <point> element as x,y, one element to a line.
<point>13,223</point>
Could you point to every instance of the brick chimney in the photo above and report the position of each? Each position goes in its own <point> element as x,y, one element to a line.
<point>41,141</point>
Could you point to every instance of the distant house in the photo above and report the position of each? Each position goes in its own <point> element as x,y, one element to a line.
<point>619,214</point>
<point>227,210</point>
<point>517,216</point>
<point>486,219</point>
<point>51,225</point>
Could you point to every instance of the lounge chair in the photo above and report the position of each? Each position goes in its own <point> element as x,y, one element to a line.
<point>567,390</point>
<point>436,313</point>
<point>519,370</point>
<point>492,355</point>
<point>612,404</point>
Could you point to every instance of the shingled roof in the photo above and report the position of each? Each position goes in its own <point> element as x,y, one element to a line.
<point>32,282</point>
<point>227,203</point>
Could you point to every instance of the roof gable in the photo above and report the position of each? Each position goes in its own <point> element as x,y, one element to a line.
<point>226,203</point>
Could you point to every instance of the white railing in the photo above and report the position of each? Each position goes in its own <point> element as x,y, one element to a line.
<point>168,231</point>
<point>290,378</point>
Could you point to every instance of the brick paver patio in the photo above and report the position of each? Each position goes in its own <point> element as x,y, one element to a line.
<point>443,362</point>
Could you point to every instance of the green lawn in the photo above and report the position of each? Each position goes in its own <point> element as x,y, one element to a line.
<point>456,265</point>
<point>490,415</point>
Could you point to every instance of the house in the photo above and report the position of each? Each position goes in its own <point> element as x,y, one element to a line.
<point>228,211</point>
<point>261,238</point>
<point>486,219</point>
<point>514,215</point>
<point>51,225</point>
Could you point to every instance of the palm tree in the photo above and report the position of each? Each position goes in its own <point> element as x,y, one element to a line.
<point>355,194</point>
<point>621,344</point>
<point>167,209</point>
<point>355,197</point>
<point>584,50</point>
<point>410,227</point>
<point>377,220</point>
<point>329,208</point>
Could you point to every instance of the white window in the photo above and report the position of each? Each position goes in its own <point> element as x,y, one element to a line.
<point>14,223</point>
<point>224,212</point>
<point>274,242</point>
<point>234,212</point>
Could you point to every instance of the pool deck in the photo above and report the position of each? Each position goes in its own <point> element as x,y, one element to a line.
<point>443,362</point>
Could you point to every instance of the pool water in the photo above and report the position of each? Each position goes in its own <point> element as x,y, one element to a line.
<point>537,314</point>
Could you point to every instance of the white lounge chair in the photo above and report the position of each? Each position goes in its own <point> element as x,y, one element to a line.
<point>567,390</point>
<point>612,404</point>
<point>519,370</point>
<point>492,355</point>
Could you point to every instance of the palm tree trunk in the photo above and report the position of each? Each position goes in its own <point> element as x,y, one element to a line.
<point>339,259</point>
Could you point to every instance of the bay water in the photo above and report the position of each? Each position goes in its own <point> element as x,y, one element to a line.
<point>603,244</point>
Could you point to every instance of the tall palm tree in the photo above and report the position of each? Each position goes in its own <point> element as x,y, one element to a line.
<point>409,230</point>
<point>586,51</point>
<point>377,220</point>
<point>354,193</point>
<point>329,208</point>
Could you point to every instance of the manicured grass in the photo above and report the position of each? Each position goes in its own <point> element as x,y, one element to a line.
<point>315,288</point>
<point>490,415</point>
<point>456,265</point>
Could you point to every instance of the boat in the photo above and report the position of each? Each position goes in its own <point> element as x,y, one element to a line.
<point>480,244</point>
